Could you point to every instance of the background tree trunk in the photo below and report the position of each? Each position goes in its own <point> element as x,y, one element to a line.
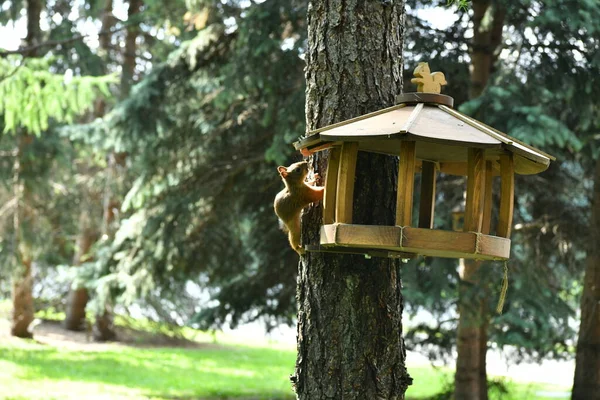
<point>22,284</point>
<point>104,328</point>
<point>78,297</point>
<point>350,342</point>
<point>587,368</point>
<point>470,381</point>
<point>129,56</point>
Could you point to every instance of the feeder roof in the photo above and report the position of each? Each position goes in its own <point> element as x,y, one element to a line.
<point>442,135</point>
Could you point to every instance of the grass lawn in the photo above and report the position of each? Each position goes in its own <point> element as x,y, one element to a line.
<point>32,371</point>
<point>199,367</point>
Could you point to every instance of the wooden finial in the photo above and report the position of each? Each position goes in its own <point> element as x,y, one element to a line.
<point>427,81</point>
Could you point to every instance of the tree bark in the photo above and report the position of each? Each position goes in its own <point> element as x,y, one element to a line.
<point>470,381</point>
<point>108,21</point>
<point>129,56</point>
<point>78,296</point>
<point>350,341</point>
<point>586,385</point>
<point>75,318</point>
<point>22,299</point>
<point>104,328</point>
<point>22,283</point>
<point>487,40</point>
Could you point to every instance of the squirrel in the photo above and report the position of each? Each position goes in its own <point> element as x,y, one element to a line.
<point>291,200</point>
<point>427,81</point>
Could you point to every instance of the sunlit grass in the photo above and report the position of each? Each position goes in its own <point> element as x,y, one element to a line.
<point>32,371</point>
<point>219,368</point>
<point>35,371</point>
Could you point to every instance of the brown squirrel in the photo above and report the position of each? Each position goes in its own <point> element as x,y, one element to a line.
<point>291,200</point>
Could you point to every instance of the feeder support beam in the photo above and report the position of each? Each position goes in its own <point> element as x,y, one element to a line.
<point>427,204</point>
<point>331,181</point>
<point>345,186</point>
<point>475,187</point>
<point>487,198</point>
<point>406,180</point>
<point>507,197</point>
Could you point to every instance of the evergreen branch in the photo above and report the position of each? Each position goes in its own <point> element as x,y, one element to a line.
<point>56,43</point>
<point>14,71</point>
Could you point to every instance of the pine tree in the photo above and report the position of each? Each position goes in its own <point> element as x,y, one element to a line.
<point>350,341</point>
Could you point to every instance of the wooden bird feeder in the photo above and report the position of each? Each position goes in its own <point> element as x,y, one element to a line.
<point>429,136</point>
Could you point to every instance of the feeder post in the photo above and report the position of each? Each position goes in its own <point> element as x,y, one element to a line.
<point>475,184</point>
<point>487,198</point>
<point>427,204</point>
<point>345,184</point>
<point>507,174</point>
<point>331,181</point>
<point>406,180</point>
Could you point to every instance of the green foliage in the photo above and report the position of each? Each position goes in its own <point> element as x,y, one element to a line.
<point>31,95</point>
<point>540,94</point>
<point>209,371</point>
<point>203,130</point>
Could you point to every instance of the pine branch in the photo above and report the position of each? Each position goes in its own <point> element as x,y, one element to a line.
<point>56,43</point>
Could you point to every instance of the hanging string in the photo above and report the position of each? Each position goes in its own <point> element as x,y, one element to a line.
<point>503,290</point>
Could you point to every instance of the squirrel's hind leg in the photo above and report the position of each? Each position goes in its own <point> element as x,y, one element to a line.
<point>294,236</point>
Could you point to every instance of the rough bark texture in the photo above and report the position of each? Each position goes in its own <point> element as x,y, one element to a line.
<point>130,48</point>
<point>22,297</point>
<point>587,368</point>
<point>487,38</point>
<point>108,22</point>
<point>75,318</point>
<point>471,375</point>
<point>78,297</point>
<point>350,342</point>
<point>103,329</point>
<point>471,337</point>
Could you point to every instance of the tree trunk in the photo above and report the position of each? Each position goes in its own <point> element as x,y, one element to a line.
<point>471,375</point>
<point>487,38</point>
<point>350,342</point>
<point>22,283</point>
<point>104,328</point>
<point>129,56</point>
<point>108,21</point>
<point>78,296</point>
<point>467,379</point>
<point>22,298</point>
<point>75,318</point>
<point>587,367</point>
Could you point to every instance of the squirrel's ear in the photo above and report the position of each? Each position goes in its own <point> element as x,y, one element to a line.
<point>282,171</point>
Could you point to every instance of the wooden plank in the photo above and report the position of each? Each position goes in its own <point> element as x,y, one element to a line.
<point>331,180</point>
<point>371,236</point>
<point>356,119</point>
<point>426,242</point>
<point>503,137</point>
<point>507,196</point>
<point>423,240</point>
<point>474,203</point>
<point>406,181</point>
<point>427,202</point>
<point>345,184</point>
<point>487,198</point>
<point>454,168</point>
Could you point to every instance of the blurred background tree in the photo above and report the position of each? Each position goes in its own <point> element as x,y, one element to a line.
<point>163,196</point>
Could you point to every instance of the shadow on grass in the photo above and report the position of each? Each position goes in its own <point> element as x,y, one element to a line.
<point>248,373</point>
